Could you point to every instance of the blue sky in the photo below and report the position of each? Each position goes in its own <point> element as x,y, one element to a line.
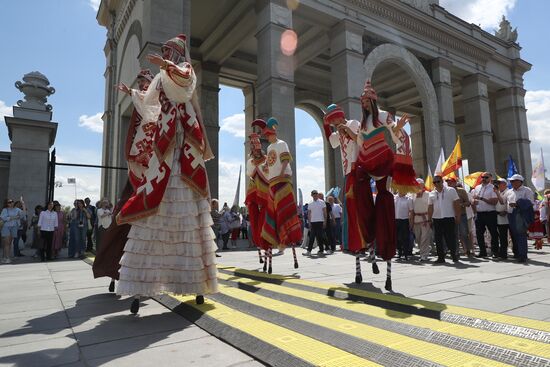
<point>62,39</point>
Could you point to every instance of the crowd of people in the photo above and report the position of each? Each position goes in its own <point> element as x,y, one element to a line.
<point>447,219</point>
<point>52,228</point>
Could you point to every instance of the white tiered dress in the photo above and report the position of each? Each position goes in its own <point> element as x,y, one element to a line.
<point>173,250</point>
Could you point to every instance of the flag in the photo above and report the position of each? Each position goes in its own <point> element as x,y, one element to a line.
<point>429,182</point>
<point>538,173</point>
<point>238,192</point>
<point>454,162</point>
<point>512,170</point>
<point>440,162</point>
<point>71,181</point>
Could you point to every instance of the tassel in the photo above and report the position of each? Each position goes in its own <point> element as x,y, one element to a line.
<point>403,176</point>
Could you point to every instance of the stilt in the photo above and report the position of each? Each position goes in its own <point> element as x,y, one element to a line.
<point>295,258</point>
<point>265,262</point>
<point>358,276</point>
<point>270,259</point>
<point>372,256</point>
<point>388,276</point>
<point>199,300</point>
<point>112,286</point>
<point>260,256</point>
<point>134,307</point>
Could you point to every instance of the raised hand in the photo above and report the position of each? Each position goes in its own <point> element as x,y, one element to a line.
<point>156,59</point>
<point>123,88</point>
<point>402,122</point>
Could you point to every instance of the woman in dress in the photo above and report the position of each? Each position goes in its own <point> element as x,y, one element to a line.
<point>59,231</point>
<point>78,226</point>
<point>170,245</point>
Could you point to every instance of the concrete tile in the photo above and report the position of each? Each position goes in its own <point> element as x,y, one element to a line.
<point>490,290</point>
<point>46,353</point>
<point>439,296</point>
<point>537,311</point>
<point>47,324</point>
<point>492,304</point>
<point>34,337</point>
<point>535,295</point>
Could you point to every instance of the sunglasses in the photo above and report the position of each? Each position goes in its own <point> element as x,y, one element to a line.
<point>437,181</point>
<point>485,177</point>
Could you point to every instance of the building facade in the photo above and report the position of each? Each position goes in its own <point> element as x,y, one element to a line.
<point>451,77</point>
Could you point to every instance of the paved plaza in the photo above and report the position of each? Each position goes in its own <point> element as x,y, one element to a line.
<point>478,313</point>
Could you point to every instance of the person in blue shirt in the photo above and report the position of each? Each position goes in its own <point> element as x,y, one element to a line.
<point>10,217</point>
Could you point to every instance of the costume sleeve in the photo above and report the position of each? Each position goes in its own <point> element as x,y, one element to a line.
<point>178,81</point>
<point>138,100</point>
<point>334,139</point>
<point>249,168</point>
<point>284,153</point>
<point>387,120</point>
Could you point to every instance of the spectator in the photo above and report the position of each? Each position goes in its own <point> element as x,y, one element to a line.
<point>47,223</point>
<point>330,245</point>
<point>104,219</point>
<point>22,230</point>
<point>234,225</point>
<point>92,222</point>
<point>462,229</point>
<point>244,227</point>
<point>337,215</point>
<point>403,223</point>
<point>444,210</point>
<point>422,226</point>
<point>225,228</point>
<point>10,217</point>
<point>59,232</point>
<point>37,242</point>
<point>502,217</point>
<point>521,214</point>
<point>485,199</point>
<point>317,217</point>
<point>216,216</point>
<point>78,227</point>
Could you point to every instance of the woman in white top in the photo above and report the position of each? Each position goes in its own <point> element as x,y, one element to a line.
<point>47,222</point>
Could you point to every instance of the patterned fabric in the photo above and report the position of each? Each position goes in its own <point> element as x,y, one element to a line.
<point>257,197</point>
<point>352,239</point>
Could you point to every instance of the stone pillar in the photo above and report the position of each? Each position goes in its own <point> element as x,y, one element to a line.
<point>478,137</point>
<point>441,71</point>
<point>418,145</point>
<point>208,87</point>
<point>513,134</point>
<point>32,133</point>
<point>275,83</point>
<point>347,76</point>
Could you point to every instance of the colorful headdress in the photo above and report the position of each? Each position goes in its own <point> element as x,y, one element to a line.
<point>271,126</point>
<point>255,143</point>
<point>261,124</point>
<point>146,74</point>
<point>177,44</point>
<point>333,112</point>
<point>368,93</point>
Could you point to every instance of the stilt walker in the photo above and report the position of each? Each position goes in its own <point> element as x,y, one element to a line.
<point>282,225</point>
<point>171,245</point>
<point>106,262</point>
<point>257,193</point>
<point>376,160</point>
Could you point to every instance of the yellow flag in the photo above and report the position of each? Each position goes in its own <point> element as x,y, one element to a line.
<point>429,182</point>
<point>454,162</point>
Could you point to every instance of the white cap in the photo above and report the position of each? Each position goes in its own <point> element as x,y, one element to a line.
<point>420,181</point>
<point>516,177</point>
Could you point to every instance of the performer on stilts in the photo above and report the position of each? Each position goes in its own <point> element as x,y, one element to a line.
<point>106,262</point>
<point>282,226</point>
<point>342,133</point>
<point>377,160</point>
<point>171,245</point>
<point>257,193</point>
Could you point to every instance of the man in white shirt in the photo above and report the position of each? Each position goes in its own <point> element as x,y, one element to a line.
<point>444,210</point>
<point>403,224</point>
<point>422,226</point>
<point>317,216</point>
<point>47,223</point>
<point>485,199</point>
<point>520,208</point>
<point>502,217</point>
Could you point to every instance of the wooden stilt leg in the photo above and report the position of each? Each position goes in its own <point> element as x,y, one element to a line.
<point>388,286</point>
<point>358,276</point>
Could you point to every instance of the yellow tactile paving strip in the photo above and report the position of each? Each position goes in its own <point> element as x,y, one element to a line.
<point>417,348</point>
<point>301,346</point>
<point>469,312</point>
<point>482,336</point>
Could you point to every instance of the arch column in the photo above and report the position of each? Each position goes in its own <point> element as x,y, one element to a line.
<point>441,74</point>
<point>400,56</point>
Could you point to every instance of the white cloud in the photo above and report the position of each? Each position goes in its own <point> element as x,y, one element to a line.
<point>5,110</point>
<point>94,4</point>
<point>234,125</point>
<point>93,123</point>
<point>317,154</point>
<point>310,178</point>
<point>538,111</point>
<point>312,142</point>
<point>88,184</point>
<point>486,13</point>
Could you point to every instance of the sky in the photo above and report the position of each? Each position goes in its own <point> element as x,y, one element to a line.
<point>61,39</point>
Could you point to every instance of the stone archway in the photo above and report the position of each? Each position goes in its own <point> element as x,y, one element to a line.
<point>406,60</point>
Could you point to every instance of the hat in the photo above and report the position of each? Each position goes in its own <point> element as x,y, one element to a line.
<point>420,181</point>
<point>177,43</point>
<point>516,177</point>
<point>146,74</point>
<point>368,93</point>
<point>314,192</point>
<point>271,126</point>
<point>450,178</point>
<point>500,180</point>
<point>259,123</point>
<point>333,112</point>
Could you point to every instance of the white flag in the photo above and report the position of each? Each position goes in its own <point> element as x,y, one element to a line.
<point>538,174</point>
<point>440,162</point>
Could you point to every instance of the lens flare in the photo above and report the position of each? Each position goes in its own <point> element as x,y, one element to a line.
<point>289,42</point>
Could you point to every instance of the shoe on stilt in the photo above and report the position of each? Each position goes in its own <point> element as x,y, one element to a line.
<point>388,285</point>
<point>358,279</point>
<point>375,269</point>
<point>134,308</point>
<point>112,286</point>
<point>199,300</point>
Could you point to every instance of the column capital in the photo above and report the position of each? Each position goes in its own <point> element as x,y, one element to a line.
<point>346,35</point>
<point>272,12</point>
<point>441,71</point>
<point>474,85</point>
